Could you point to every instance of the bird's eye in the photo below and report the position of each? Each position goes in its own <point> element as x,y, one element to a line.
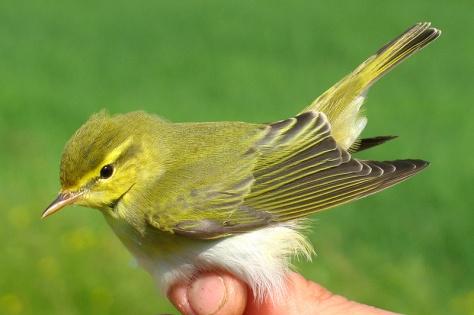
<point>106,171</point>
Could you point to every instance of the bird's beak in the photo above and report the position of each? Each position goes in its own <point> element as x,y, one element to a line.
<point>64,199</point>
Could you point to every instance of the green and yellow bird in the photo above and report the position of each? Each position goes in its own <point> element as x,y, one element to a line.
<point>189,197</point>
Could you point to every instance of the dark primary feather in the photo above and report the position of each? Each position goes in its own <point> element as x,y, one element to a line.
<point>300,169</point>
<point>367,143</point>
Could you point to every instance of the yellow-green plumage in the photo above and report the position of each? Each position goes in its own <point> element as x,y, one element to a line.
<point>341,103</point>
<point>184,197</point>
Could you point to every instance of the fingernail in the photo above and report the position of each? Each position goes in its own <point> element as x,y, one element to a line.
<point>207,294</point>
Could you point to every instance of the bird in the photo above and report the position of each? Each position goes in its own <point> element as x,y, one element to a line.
<point>186,198</point>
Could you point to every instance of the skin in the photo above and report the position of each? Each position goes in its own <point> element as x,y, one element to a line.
<point>223,294</point>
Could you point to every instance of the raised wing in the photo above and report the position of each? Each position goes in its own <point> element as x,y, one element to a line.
<point>300,169</point>
<point>318,174</point>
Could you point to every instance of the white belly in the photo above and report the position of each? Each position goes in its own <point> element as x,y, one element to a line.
<point>261,258</point>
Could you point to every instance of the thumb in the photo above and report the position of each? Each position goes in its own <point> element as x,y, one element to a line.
<point>210,294</point>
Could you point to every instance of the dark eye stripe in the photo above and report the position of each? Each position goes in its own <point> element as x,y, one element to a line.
<point>131,151</point>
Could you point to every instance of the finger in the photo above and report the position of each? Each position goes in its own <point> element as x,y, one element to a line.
<point>210,293</point>
<point>178,296</point>
<point>306,297</point>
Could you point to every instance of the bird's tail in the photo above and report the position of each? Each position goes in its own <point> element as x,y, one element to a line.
<point>341,103</point>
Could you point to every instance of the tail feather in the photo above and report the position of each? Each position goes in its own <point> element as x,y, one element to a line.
<point>341,103</point>
<point>405,45</point>
<point>367,143</point>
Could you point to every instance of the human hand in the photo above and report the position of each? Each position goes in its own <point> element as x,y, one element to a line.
<point>222,294</point>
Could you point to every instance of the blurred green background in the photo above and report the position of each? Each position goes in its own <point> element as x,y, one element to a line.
<point>409,249</point>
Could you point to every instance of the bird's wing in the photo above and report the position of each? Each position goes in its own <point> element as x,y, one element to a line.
<point>314,173</point>
<point>298,169</point>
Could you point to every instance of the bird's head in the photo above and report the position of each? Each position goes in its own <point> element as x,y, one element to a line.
<point>102,161</point>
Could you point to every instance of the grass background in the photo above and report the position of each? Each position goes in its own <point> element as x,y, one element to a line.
<point>409,249</point>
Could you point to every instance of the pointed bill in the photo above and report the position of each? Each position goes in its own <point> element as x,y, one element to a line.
<point>64,199</point>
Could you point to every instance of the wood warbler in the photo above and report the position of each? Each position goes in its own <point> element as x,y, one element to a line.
<point>232,196</point>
